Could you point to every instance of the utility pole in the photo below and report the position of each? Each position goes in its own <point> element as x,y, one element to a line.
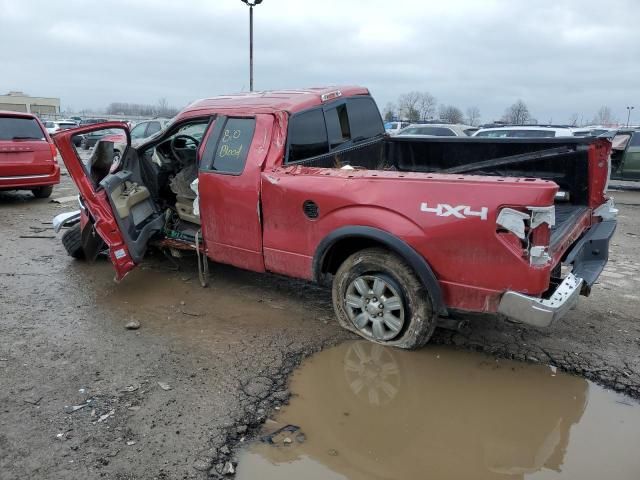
<point>251,4</point>
<point>629,114</point>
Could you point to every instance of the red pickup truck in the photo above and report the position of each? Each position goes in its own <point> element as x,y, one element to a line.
<point>305,183</point>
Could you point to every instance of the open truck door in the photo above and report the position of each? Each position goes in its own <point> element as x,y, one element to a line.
<point>120,210</point>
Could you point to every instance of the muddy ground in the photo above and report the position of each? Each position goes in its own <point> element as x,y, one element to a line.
<point>175,398</point>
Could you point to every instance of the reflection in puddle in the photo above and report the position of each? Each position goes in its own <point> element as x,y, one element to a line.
<point>370,412</point>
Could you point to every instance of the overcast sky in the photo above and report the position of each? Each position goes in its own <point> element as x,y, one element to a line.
<point>560,57</point>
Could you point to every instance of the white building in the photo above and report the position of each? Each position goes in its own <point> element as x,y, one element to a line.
<point>21,102</point>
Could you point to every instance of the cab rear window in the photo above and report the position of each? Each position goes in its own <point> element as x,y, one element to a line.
<point>20,128</point>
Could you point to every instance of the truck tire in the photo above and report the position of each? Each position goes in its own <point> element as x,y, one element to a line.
<point>72,241</point>
<point>379,297</point>
<point>42,192</point>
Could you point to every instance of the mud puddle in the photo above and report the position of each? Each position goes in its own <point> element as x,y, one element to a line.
<point>369,412</point>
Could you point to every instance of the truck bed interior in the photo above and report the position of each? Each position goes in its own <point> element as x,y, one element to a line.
<point>561,160</point>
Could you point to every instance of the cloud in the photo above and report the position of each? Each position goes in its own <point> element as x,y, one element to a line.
<point>559,57</point>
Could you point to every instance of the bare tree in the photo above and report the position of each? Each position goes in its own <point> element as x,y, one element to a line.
<point>473,116</point>
<point>573,120</point>
<point>122,108</point>
<point>426,105</point>
<point>451,114</point>
<point>389,112</point>
<point>408,104</point>
<point>517,114</point>
<point>603,116</point>
<point>163,107</point>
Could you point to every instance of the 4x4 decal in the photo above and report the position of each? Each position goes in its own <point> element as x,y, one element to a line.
<point>459,211</point>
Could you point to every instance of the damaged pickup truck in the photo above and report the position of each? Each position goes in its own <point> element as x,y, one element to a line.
<point>306,184</point>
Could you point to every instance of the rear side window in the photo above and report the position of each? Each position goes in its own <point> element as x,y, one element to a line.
<point>364,118</point>
<point>153,127</point>
<point>232,146</point>
<point>138,130</point>
<point>635,140</point>
<point>532,134</point>
<point>517,133</point>
<point>18,128</point>
<point>307,135</point>
<point>337,126</point>
<point>433,131</point>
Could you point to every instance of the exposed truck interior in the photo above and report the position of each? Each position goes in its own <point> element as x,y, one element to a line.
<point>152,191</point>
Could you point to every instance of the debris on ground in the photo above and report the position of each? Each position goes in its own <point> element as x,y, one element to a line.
<point>228,469</point>
<point>102,418</point>
<point>75,408</point>
<point>64,199</point>
<point>132,325</point>
<point>286,429</point>
<point>130,388</point>
<point>164,385</point>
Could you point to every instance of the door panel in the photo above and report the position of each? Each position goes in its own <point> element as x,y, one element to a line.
<point>631,166</point>
<point>229,192</point>
<point>95,198</point>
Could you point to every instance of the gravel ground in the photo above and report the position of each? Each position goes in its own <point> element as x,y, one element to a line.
<point>175,398</point>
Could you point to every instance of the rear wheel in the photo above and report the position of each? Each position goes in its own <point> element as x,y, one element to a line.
<point>42,192</point>
<point>72,241</point>
<point>379,297</point>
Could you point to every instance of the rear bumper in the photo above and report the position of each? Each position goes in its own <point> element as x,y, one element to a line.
<point>16,182</point>
<point>588,257</point>
<point>540,312</point>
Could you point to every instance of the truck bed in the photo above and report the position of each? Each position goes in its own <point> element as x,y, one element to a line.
<point>564,161</point>
<point>567,216</point>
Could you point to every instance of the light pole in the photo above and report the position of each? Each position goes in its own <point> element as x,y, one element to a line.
<point>251,4</point>
<point>629,114</point>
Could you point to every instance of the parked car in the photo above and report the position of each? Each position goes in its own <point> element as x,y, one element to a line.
<point>437,130</point>
<point>27,155</point>
<point>589,131</point>
<point>91,121</point>
<point>392,128</point>
<point>306,184</point>
<point>148,128</point>
<point>524,131</point>
<point>625,155</point>
<point>54,126</point>
<point>89,140</point>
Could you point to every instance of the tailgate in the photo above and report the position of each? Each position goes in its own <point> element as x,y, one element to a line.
<point>21,157</point>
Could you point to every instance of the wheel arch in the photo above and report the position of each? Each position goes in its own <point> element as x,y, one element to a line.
<point>345,241</point>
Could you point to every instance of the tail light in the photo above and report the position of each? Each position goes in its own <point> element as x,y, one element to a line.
<point>54,151</point>
<point>528,231</point>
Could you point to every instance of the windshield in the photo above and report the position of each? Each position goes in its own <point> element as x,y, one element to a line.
<point>20,128</point>
<point>194,130</point>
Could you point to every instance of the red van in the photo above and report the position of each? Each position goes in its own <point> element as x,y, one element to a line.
<point>27,155</point>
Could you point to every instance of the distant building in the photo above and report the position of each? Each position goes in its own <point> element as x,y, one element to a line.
<point>20,102</point>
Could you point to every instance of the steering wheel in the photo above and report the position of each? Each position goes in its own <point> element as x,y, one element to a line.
<point>186,152</point>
